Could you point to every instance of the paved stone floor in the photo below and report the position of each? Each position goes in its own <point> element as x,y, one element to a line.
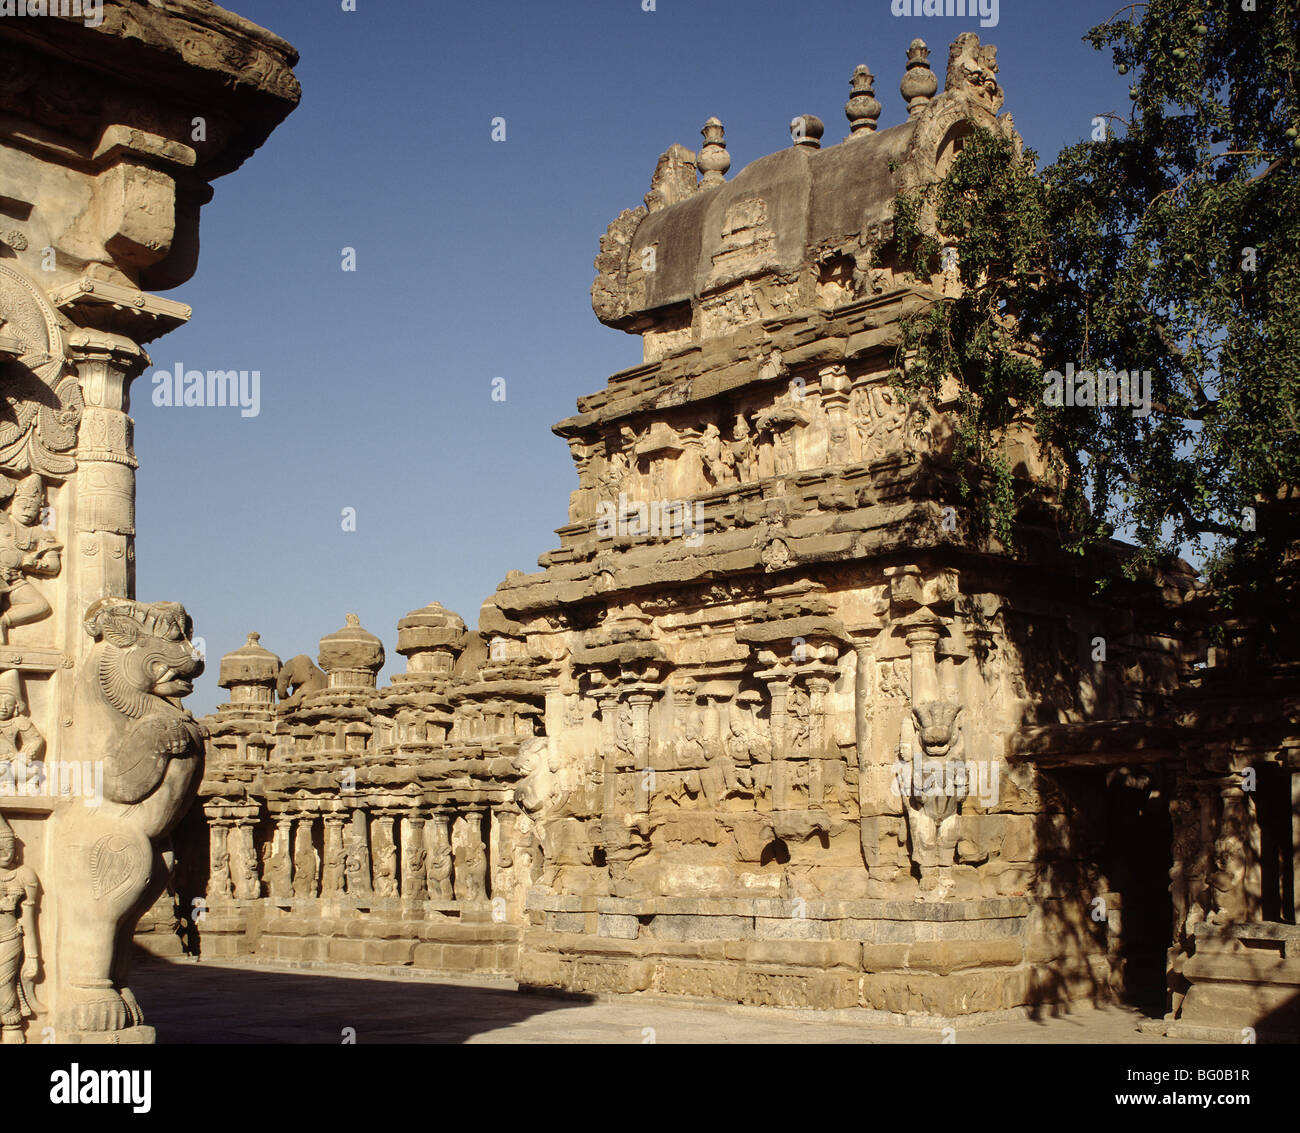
<point>201,1002</point>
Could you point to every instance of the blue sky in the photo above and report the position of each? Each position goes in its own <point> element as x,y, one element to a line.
<point>474,261</point>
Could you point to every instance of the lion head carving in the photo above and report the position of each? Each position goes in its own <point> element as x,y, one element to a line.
<point>148,655</point>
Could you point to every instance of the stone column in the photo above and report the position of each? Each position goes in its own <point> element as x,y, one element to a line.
<point>414,858</point>
<point>438,844</point>
<point>280,864</point>
<point>818,688</point>
<point>219,886</point>
<point>471,859</point>
<point>778,690</point>
<point>243,862</point>
<point>835,400</point>
<point>640,703</point>
<point>384,853</point>
<point>607,706</point>
<point>332,879</point>
<point>357,857</point>
<point>923,641</point>
<point>105,504</point>
<point>305,861</point>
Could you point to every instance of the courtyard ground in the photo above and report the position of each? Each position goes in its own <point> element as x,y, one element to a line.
<point>205,1002</point>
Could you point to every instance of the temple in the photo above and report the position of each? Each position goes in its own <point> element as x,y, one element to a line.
<point>776,723</point>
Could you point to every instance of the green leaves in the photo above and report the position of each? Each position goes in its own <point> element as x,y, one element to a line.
<point>1171,246</point>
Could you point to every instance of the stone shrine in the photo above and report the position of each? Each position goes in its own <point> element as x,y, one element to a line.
<point>775,723</point>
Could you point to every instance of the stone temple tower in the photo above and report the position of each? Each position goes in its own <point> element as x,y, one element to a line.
<point>777,722</point>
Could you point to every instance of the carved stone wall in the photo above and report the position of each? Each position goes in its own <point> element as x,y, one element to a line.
<point>101,181</point>
<point>774,723</point>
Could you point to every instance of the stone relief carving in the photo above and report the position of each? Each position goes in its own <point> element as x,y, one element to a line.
<point>440,859</point>
<point>471,859</point>
<point>298,677</point>
<point>28,549</point>
<point>117,855</point>
<point>20,946</point>
<point>20,739</point>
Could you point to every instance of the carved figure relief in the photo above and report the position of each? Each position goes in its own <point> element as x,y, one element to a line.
<point>471,860</point>
<point>125,707</point>
<point>19,738</point>
<point>20,946</point>
<point>27,550</point>
<point>298,677</point>
<point>440,859</point>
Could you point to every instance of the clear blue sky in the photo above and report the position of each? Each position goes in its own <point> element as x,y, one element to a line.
<point>474,260</point>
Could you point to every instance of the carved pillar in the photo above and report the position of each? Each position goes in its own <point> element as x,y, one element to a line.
<point>243,862</point>
<point>385,856</point>
<point>414,858</point>
<point>640,703</point>
<point>357,857</point>
<point>333,876</point>
<point>471,859</point>
<point>835,400</point>
<point>608,707</point>
<point>105,506</point>
<point>280,864</point>
<point>305,861</point>
<point>503,834</point>
<point>818,688</point>
<point>778,690</point>
<point>219,887</point>
<point>438,844</point>
<point>923,641</point>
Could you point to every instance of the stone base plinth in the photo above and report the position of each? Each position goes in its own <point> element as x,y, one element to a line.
<point>1243,977</point>
<point>903,958</point>
<point>434,936</point>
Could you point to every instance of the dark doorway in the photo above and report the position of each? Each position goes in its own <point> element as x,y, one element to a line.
<point>1136,857</point>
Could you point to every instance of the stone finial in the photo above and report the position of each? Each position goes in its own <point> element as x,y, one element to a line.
<point>431,638</point>
<point>862,110</point>
<point>673,179</point>
<point>713,159</point>
<point>351,656</point>
<point>249,673</point>
<point>807,130</point>
<point>919,83</point>
<point>972,70</point>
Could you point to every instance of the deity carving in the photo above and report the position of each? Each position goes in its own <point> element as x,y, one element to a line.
<point>440,859</point>
<point>20,946</point>
<point>28,549</point>
<point>19,738</point>
<point>219,875</point>
<point>471,860</point>
<point>1231,860</point>
<point>305,860</point>
<point>879,421</point>
<point>385,858</point>
<point>741,449</point>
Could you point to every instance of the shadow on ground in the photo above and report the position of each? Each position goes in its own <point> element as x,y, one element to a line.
<point>190,1002</point>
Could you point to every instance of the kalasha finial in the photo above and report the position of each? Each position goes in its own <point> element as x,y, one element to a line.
<point>919,83</point>
<point>713,160</point>
<point>807,130</point>
<point>862,110</point>
<point>254,638</point>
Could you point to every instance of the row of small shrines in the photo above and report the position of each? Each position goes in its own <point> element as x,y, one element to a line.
<point>358,854</point>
